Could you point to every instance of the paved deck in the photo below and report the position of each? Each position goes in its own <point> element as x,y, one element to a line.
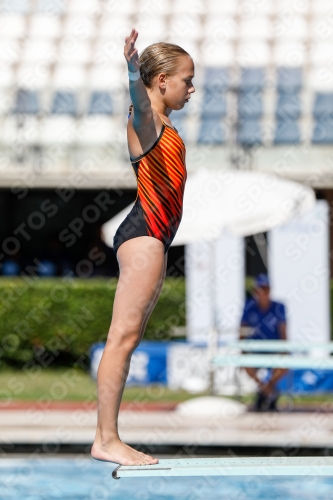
<point>76,425</point>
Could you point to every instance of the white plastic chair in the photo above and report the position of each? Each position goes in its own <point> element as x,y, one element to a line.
<point>6,101</point>
<point>321,54</point>
<point>88,7</point>
<point>9,51</point>
<point>257,28</point>
<point>58,129</point>
<point>28,133</point>
<point>321,29</point>
<point>221,29</point>
<point>193,6</point>
<point>115,27</point>
<point>322,7</point>
<point>156,6</point>
<point>216,55</point>
<point>69,77</point>
<point>289,53</point>
<point>44,26</point>
<point>80,27</point>
<point>97,129</point>
<point>33,76</point>
<point>12,26</point>
<point>37,51</point>
<point>185,25</point>
<point>250,10</point>
<point>321,79</point>
<point>109,52</point>
<point>107,77</point>
<point>288,7</point>
<point>77,53</point>
<point>255,54</point>
<point>151,26</point>
<point>7,79</point>
<point>116,7</point>
<point>294,28</point>
<point>218,6</point>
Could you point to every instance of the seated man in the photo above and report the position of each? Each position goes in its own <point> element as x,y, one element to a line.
<point>264,319</point>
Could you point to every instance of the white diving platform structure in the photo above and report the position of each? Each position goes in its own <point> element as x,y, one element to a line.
<point>273,361</point>
<point>280,345</point>
<point>270,466</point>
<point>276,354</point>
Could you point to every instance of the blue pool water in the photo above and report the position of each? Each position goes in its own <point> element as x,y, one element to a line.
<point>82,478</point>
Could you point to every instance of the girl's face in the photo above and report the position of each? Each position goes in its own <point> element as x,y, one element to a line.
<point>177,89</point>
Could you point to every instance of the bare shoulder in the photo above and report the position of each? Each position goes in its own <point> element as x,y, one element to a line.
<point>142,137</point>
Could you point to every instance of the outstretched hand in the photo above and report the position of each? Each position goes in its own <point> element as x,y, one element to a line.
<point>131,52</point>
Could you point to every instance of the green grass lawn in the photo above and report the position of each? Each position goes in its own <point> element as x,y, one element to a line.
<point>72,385</point>
<point>76,385</point>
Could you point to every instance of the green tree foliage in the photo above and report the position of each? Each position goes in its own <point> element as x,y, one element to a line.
<point>53,322</point>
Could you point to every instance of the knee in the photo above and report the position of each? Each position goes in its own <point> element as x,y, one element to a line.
<point>125,339</point>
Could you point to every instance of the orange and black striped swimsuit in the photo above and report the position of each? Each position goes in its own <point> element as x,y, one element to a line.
<point>161,176</point>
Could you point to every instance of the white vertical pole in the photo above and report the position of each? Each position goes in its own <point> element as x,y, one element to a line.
<point>213,335</point>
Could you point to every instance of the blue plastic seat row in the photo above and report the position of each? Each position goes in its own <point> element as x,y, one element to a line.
<point>250,132</point>
<point>27,102</point>
<point>289,80</point>
<point>323,116</point>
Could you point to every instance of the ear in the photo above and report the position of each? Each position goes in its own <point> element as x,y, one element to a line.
<point>161,80</point>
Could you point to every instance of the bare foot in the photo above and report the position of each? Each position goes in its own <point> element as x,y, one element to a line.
<point>120,453</point>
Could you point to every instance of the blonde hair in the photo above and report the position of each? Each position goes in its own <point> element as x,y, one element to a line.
<point>159,58</point>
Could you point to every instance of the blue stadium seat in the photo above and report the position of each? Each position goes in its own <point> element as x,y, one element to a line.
<point>27,102</point>
<point>323,132</point>
<point>213,104</point>
<point>249,132</point>
<point>289,79</point>
<point>252,78</point>
<point>287,132</point>
<point>211,131</point>
<point>216,79</point>
<point>250,104</point>
<point>100,104</point>
<point>323,106</point>
<point>11,268</point>
<point>64,103</point>
<point>288,107</point>
<point>46,268</point>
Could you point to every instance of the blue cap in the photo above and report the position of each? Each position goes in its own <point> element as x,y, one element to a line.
<point>262,280</point>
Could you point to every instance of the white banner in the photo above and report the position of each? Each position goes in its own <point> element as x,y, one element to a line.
<point>298,256</point>
<point>214,272</point>
<point>188,369</point>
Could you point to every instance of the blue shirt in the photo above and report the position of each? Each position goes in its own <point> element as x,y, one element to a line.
<point>265,323</point>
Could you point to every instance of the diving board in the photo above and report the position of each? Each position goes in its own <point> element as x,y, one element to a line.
<point>270,466</point>
<point>280,345</point>
<point>273,361</point>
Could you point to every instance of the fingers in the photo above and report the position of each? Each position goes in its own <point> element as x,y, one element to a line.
<point>132,37</point>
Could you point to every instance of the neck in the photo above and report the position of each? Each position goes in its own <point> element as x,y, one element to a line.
<point>158,105</point>
<point>264,307</point>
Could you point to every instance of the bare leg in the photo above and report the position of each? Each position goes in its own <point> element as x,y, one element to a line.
<point>142,270</point>
<point>270,385</point>
<point>253,374</point>
<point>155,300</point>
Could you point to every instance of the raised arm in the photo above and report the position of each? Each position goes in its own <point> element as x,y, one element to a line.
<point>142,111</point>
